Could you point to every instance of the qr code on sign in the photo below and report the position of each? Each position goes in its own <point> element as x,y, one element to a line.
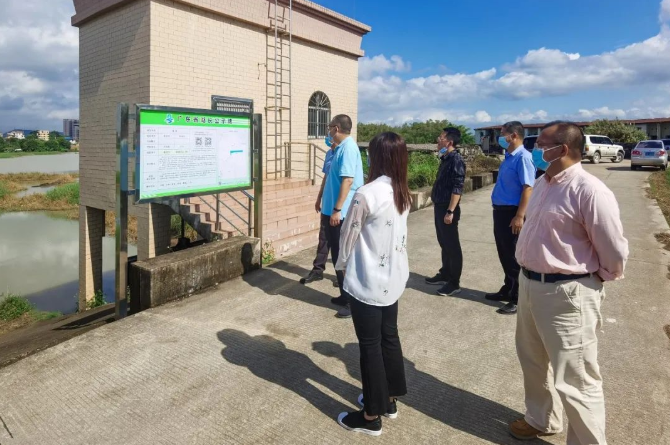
<point>208,142</point>
<point>198,141</point>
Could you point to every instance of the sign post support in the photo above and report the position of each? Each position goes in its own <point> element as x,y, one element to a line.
<point>121,216</point>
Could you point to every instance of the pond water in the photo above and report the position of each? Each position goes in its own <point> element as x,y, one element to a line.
<point>34,190</point>
<point>39,259</point>
<point>61,163</point>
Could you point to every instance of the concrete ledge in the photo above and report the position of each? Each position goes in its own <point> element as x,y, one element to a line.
<point>421,198</point>
<point>176,275</point>
<point>481,181</point>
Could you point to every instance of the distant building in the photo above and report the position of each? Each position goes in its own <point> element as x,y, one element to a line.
<point>71,128</point>
<point>658,128</point>
<point>16,134</point>
<point>42,134</point>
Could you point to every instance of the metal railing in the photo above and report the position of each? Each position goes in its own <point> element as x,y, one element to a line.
<point>225,212</point>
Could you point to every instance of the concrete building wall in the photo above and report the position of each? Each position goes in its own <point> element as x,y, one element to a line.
<point>180,53</point>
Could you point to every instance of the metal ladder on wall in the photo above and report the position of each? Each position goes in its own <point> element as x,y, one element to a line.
<point>278,91</point>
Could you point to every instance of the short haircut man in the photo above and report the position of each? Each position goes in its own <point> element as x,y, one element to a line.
<point>446,196</point>
<point>510,197</point>
<point>572,242</point>
<point>343,122</point>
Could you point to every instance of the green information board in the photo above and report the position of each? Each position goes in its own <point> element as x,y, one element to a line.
<point>186,152</point>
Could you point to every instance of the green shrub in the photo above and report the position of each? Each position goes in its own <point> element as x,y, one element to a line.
<point>13,307</point>
<point>422,170</point>
<point>97,300</point>
<point>67,192</point>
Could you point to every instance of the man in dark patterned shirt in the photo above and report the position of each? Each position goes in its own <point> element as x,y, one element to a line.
<point>446,196</point>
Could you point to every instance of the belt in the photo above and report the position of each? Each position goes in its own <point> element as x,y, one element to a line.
<point>497,207</point>
<point>551,277</point>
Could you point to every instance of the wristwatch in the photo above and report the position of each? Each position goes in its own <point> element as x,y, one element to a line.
<point>450,212</point>
<point>335,209</point>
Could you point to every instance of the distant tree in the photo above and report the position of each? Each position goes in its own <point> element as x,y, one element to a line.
<point>52,145</point>
<point>617,131</point>
<point>416,132</point>
<point>33,144</point>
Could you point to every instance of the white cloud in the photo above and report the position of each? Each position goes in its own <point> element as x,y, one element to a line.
<point>368,67</point>
<point>39,69</point>
<point>664,16</point>
<point>540,73</point>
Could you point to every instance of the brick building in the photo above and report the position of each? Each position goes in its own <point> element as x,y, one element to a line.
<point>298,64</point>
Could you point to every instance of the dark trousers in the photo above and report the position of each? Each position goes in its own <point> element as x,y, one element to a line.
<point>333,240</point>
<point>382,365</point>
<point>447,236</point>
<point>506,244</point>
<point>323,248</point>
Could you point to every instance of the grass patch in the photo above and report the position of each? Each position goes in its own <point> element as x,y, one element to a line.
<point>13,306</point>
<point>20,154</point>
<point>4,190</point>
<point>68,193</point>
<point>660,191</point>
<point>17,312</point>
<point>175,229</point>
<point>422,170</point>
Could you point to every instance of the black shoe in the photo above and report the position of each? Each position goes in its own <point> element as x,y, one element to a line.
<point>391,412</point>
<point>437,280</point>
<point>356,422</point>
<point>311,277</point>
<point>498,296</point>
<point>448,290</point>
<point>344,312</point>
<point>508,309</point>
<point>335,283</point>
<point>340,301</point>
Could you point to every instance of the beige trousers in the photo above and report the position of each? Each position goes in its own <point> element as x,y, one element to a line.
<point>558,351</point>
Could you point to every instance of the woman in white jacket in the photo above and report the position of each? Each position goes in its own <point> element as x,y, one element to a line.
<point>373,255</point>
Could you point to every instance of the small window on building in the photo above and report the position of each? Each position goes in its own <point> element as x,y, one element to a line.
<point>319,116</point>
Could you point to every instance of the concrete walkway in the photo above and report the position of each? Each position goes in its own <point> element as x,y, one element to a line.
<point>262,360</point>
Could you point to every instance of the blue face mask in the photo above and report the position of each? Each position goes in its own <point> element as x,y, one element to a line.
<point>503,142</point>
<point>442,152</point>
<point>538,158</point>
<point>329,141</point>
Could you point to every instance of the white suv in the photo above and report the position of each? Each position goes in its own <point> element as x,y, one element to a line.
<point>598,147</point>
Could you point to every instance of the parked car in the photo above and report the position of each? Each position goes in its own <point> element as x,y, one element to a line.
<point>598,147</point>
<point>649,153</point>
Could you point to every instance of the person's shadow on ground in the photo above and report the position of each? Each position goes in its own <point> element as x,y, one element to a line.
<point>270,359</point>
<point>453,406</point>
<point>418,283</point>
<point>272,282</point>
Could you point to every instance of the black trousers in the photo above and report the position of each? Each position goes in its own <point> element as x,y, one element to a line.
<point>447,236</point>
<point>506,244</point>
<point>323,248</point>
<point>382,364</point>
<point>333,240</point>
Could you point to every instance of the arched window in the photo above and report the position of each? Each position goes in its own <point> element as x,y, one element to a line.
<point>319,116</point>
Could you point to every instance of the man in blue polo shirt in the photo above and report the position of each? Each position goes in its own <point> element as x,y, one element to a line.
<point>322,249</point>
<point>510,197</point>
<point>344,178</point>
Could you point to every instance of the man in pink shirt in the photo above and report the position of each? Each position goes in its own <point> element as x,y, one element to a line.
<point>571,243</point>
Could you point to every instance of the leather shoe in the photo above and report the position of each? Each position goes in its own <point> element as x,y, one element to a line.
<point>498,296</point>
<point>311,277</point>
<point>520,429</point>
<point>508,309</point>
<point>340,301</point>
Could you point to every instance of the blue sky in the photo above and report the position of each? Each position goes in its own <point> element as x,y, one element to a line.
<point>474,62</point>
<point>623,49</point>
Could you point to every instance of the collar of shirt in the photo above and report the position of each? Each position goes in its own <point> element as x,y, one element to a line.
<point>566,174</point>
<point>516,151</point>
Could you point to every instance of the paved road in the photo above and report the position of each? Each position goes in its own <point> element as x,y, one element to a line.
<point>262,360</point>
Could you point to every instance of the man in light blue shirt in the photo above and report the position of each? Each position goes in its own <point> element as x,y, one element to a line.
<point>510,198</point>
<point>344,178</point>
<point>322,249</point>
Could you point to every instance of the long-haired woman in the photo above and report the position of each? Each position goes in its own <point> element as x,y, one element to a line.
<point>373,255</point>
